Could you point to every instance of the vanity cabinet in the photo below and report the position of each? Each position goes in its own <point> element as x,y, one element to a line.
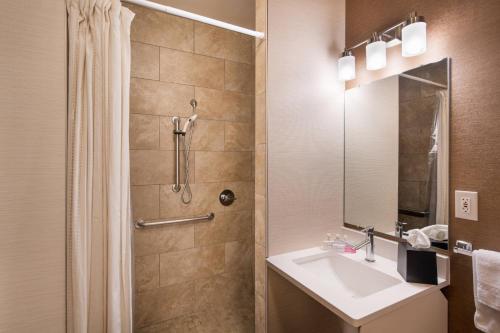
<point>427,314</point>
<point>318,290</point>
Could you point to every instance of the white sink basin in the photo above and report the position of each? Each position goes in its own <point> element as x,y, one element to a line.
<point>357,279</point>
<point>354,289</point>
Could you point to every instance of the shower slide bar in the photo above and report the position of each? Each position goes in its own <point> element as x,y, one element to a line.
<point>143,224</point>
<point>182,13</point>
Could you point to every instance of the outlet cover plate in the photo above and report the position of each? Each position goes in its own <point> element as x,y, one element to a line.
<point>467,214</point>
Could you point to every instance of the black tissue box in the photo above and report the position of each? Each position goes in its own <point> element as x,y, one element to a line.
<point>417,265</point>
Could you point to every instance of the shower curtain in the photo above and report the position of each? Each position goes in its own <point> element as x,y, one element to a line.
<point>439,152</point>
<point>99,279</point>
<point>442,161</point>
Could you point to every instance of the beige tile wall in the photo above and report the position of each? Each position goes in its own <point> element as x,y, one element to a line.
<point>192,277</point>
<point>260,167</point>
<point>418,103</point>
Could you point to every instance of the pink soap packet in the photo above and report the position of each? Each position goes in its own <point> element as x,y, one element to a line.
<point>349,249</point>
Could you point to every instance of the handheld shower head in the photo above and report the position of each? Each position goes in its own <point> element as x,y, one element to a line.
<point>189,122</point>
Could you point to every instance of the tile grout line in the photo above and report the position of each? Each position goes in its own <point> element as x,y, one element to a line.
<point>159,133</point>
<point>201,118</point>
<point>225,75</point>
<point>236,92</point>
<point>194,150</point>
<point>194,37</point>
<point>159,64</point>
<point>159,200</point>
<point>192,52</point>
<point>159,270</point>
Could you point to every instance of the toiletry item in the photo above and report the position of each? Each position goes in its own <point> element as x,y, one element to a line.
<point>338,244</point>
<point>418,239</point>
<point>416,264</point>
<point>327,243</point>
<point>349,249</point>
<point>486,279</point>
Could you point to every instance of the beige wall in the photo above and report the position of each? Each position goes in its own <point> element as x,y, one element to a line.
<point>32,165</point>
<point>305,122</point>
<point>260,167</point>
<point>239,12</point>
<point>304,143</point>
<point>371,154</point>
<point>199,275</point>
<point>463,31</point>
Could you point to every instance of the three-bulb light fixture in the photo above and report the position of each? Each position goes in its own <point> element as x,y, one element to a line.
<point>411,33</point>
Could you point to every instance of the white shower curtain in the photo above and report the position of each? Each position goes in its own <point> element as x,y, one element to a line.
<point>99,214</point>
<point>442,158</point>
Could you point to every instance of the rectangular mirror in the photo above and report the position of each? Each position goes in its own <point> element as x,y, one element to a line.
<point>396,153</point>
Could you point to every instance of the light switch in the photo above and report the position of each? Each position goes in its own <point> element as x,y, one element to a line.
<point>466,205</point>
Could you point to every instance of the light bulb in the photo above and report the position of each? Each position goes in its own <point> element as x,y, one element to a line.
<point>347,66</point>
<point>414,36</point>
<point>376,53</point>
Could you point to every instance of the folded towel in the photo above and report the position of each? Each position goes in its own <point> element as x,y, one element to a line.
<point>487,266</point>
<point>437,232</point>
<point>418,239</point>
<point>486,274</point>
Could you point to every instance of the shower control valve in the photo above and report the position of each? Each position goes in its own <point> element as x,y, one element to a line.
<point>227,197</point>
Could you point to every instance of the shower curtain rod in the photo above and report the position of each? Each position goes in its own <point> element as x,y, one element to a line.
<point>416,78</point>
<point>182,13</point>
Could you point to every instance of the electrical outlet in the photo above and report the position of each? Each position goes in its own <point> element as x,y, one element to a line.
<point>466,205</point>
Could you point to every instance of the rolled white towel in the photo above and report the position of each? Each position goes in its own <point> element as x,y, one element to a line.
<point>486,277</point>
<point>418,239</point>
<point>437,232</point>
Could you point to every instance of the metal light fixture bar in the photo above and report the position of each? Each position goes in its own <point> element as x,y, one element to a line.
<point>411,33</point>
<point>388,34</point>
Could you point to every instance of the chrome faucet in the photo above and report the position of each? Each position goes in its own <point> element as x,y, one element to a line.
<point>369,243</point>
<point>400,228</point>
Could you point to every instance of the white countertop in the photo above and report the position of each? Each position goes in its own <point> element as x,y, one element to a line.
<point>366,305</point>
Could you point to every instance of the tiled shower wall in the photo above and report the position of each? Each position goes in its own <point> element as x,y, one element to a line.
<point>193,277</point>
<point>418,104</point>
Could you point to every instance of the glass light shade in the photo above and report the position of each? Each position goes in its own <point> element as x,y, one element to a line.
<point>375,55</point>
<point>347,68</point>
<point>414,39</point>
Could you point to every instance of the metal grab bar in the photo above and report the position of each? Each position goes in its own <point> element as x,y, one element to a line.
<point>142,224</point>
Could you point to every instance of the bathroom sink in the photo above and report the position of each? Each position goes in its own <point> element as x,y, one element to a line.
<point>358,279</point>
<point>355,290</point>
